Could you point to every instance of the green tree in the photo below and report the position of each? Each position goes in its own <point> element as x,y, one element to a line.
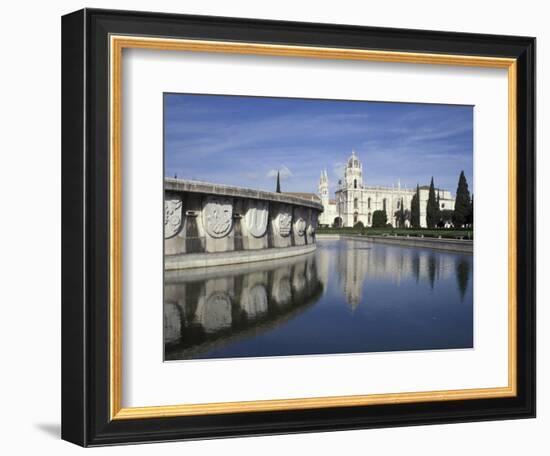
<point>438,218</point>
<point>415,209</point>
<point>359,225</point>
<point>432,209</point>
<point>379,219</point>
<point>446,216</point>
<point>400,216</point>
<point>406,217</point>
<point>463,204</point>
<point>278,189</point>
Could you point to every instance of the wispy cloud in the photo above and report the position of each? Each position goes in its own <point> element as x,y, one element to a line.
<point>284,172</point>
<point>245,140</point>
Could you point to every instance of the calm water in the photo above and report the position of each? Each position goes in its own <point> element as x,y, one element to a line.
<point>347,297</point>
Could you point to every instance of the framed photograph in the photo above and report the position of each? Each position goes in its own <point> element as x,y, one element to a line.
<point>279,227</point>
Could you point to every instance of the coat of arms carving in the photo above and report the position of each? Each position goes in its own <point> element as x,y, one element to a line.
<point>218,216</point>
<point>172,216</point>
<point>284,220</point>
<point>257,218</point>
<point>300,226</point>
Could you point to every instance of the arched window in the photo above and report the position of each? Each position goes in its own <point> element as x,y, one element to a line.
<point>356,203</point>
<point>355,218</point>
<point>368,218</point>
<point>354,183</point>
<point>368,203</point>
<point>398,204</point>
<point>384,204</point>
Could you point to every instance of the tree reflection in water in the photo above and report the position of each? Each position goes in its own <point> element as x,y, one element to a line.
<point>463,275</point>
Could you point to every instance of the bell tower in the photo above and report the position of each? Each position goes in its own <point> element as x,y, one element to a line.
<point>353,172</point>
<point>323,188</point>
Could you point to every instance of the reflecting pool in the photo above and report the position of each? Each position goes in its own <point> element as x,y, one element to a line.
<point>346,297</point>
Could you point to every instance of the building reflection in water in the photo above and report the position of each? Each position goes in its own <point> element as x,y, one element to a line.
<point>359,262</point>
<point>348,296</point>
<point>208,307</point>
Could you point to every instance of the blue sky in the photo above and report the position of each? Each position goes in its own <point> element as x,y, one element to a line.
<point>244,141</point>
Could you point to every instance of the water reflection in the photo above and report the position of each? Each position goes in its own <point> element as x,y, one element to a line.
<point>348,296</point>
<point>206,308</point>
<point>360,261</point>
<point>463,275</point>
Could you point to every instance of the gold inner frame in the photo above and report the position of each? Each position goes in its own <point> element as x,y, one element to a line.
<point>117,44</point>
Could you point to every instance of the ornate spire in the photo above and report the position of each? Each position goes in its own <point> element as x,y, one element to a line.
<point>353,161</point>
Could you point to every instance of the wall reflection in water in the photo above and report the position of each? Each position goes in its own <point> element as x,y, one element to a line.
<point>211,307</point>
<point>347,297</point>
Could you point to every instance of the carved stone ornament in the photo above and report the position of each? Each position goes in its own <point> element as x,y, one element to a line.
<point>217,216</point>
<point>300,226</point>
<point>173,216</point>
<point>256,218</point>
<point>312,226</point>
<point>284,221</point>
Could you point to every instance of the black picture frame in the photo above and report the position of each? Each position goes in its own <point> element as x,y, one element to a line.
<point>85,227</point>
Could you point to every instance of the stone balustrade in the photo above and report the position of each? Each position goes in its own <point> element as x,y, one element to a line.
<point>204,222</point>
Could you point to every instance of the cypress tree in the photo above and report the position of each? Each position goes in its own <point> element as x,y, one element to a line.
<point>278,190</point>
<point>415,209</point>
<point>432,207</point>
<point>401,215</point>
<point>379,219</point>
<point>463,205</point>
<point>439,218</point>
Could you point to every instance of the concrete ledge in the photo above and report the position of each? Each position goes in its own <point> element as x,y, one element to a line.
<point>330,236</point>
<point>453,245</point>
<point>182,276</point>
<point>190,186</point>
<point>203,260</point>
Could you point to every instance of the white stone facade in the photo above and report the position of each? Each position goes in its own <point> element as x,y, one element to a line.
<point>355,202</point>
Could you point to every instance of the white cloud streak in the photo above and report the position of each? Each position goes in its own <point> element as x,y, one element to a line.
<point>284,172</point>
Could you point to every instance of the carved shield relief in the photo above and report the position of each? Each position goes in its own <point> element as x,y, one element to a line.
<point>257,218</point>
<point>217,216</point>
<point>173,215</point>
<point>284,223</point>
<point>300,226</point>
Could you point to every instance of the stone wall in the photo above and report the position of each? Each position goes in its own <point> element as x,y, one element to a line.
<point>453,245</point>
<point>204,218</point>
